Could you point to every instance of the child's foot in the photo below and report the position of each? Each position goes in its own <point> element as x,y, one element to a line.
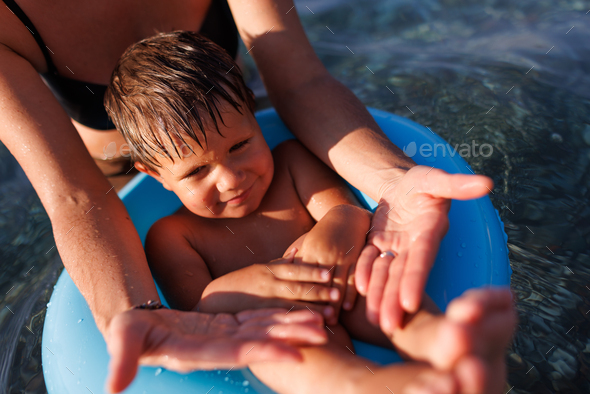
<point>479,323</point>
<point>470,376</point>
<point>468,342</point>
<point>477,326</point>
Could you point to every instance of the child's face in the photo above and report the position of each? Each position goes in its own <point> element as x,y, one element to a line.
<point>229,178</point>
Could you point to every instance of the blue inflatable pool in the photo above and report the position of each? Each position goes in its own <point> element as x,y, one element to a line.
<point>472,254</point>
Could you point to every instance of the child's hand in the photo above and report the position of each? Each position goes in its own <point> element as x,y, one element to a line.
<point>279,284</point>
<point>339,266</point>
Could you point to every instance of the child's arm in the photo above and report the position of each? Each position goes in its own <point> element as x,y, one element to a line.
<point>184,278</point>
<point>321,190</point>
<point>179,270</point>
<point>278,284</point>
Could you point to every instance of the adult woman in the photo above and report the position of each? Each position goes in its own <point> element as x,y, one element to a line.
<point>82,41</point>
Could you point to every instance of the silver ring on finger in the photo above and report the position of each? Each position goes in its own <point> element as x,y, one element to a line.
<point>387,253</point>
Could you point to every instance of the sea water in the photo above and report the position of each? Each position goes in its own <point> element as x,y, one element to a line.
<point>513,75</point>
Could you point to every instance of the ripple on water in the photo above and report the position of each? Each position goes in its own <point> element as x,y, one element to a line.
<point>450,62</point>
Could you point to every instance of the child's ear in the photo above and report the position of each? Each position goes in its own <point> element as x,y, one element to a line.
<point>154,174</point>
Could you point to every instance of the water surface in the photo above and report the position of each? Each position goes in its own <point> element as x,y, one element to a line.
<point>515,75</point>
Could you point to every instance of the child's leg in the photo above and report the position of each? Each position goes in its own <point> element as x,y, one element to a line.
<point>477,326</point>
<point>333,368</point>
<point>480,322</point>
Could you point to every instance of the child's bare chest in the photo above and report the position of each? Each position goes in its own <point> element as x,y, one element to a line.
<point>227,245</point>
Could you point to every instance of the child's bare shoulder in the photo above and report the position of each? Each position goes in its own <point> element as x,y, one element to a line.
<point>170,229</point>
<point>289,149</point>
<point>291,152</point>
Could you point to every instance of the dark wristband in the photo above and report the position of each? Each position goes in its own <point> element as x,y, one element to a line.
<point>150,305</point>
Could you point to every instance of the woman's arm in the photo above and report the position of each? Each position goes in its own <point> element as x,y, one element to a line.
<point>336,127</point>
<point>94,235</point>
<point>323,114</point>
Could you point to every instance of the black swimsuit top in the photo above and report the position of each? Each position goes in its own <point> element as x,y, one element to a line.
<point>83,101</point>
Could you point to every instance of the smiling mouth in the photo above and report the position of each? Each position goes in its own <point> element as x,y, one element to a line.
<point>240,198</point>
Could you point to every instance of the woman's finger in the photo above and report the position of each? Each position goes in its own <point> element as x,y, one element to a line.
<point>278,315</point>
<point>351,292</point>
<point>201,352</point>
<point>364,267</point>
<point>125,345</point>
<point>291,311</point>
<point>379,277</point>
<point>439,183</point>
<point>420,260</point>
<point>391,312</point>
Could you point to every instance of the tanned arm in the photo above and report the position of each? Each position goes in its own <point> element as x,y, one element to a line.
<point>321,112</point>
<point>96,240</point>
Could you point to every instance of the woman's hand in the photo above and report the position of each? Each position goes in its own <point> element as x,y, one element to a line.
<point>185,341</point>
<point>410,221</point>
<point>279,284</point>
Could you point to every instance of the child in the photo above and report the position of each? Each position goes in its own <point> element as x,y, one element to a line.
<point>180,102</point>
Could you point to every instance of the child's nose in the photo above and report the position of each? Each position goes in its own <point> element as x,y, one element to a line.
<point>230,179</point>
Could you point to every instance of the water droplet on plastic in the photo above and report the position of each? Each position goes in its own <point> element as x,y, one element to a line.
<point>463,245</point>
<point>459,254</point>
<point>226,379</point>
<point>80,321</point>
<point>158,371</point>
<point>245,383</point>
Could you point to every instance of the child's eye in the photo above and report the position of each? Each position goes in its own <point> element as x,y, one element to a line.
<point>196,171</point>
<point>239,145</point>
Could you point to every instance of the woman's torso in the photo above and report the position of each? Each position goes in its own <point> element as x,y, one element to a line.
<point>85,41</point>
<point>87,38</point>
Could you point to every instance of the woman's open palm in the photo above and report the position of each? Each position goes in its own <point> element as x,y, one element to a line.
<point>410,221</point>
<point>186,341</point>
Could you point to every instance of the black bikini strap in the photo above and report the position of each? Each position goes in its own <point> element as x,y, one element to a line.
<point>16,10</point>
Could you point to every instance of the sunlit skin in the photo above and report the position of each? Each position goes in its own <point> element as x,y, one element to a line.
<point>237,194</point>
<point>209,180</point>
<point>110,269</point>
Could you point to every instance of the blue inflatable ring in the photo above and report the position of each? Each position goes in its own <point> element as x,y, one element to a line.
<point>472,254</point>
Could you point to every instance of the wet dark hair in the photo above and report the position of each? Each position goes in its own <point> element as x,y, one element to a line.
<point>169,85</point>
